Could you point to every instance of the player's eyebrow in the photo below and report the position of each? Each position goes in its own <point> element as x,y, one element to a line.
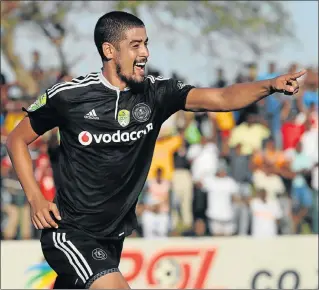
<point>138,40</point>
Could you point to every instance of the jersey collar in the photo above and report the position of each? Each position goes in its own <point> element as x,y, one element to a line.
<point>108,84</point>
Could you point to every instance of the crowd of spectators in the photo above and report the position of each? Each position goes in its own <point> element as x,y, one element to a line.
<point>250,172</point>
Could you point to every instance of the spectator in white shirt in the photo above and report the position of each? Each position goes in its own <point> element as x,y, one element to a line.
<point>222,192</point>
<point>266,179</point>
<point>203,158</point>
<point>155,217</point>
<point>314,185</point>
<point>266,214</point>
<point>309,141</point>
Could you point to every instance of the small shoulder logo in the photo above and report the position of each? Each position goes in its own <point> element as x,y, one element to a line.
<point>123,117</point>
<point>40,102</point>
<point>99,254</point>
<point>141,112</point>
<point>180,85</point>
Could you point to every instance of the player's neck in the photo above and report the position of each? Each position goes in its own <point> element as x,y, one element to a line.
<point>110,74</point>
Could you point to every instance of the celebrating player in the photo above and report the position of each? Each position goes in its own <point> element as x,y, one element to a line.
<point>108,123</point>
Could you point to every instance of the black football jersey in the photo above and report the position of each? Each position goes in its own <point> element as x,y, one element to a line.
<point>107,139</point>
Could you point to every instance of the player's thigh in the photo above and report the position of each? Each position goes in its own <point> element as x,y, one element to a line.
<point>80,259</point>
<point>110,281</point>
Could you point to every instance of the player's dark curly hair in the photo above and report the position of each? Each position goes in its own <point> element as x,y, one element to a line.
<point>110,28</point>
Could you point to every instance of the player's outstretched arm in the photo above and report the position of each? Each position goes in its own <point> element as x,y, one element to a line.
<point>238,96</point>
<point>17,147</point>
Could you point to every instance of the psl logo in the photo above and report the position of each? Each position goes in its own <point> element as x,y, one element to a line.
<point>123,118</point>
<point>166,270</point>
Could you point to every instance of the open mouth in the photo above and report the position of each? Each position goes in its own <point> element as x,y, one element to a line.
<point>140,67</point>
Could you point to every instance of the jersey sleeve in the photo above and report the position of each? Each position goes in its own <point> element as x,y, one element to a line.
<point>47,112</point>
<point>172,96</point>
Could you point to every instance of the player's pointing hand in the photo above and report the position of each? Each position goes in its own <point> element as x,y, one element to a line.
<point>288,83</point>
<point>40,214</point>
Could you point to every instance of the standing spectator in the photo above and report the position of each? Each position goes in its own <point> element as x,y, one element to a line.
<point>291,132</point>
<point>240,171</point>
<point>273,105</point>
<point>222,192</point>
<point>270,154</point>
<point>265,178</point>
<point>239,165</point>
<point>309,141</point>
<point>249,134</point>
<point>266,214</point>
<point>203,158</point>
<point>223,123</point>
<point>301,166</point>
<point>182,184</point>
<point>164,156</point>
<point>155,217</point>
<point>221,81</point>
<point>315,188</point>
<point>310,95</point>
<point>53,153</point>
<point>199,229</point>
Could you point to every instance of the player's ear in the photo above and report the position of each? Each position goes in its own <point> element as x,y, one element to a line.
<point>108,50</point>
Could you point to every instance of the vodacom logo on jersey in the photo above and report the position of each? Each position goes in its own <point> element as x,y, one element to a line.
<point>86,138</point>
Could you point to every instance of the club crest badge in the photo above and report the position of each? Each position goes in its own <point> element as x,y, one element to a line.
<point>123,118</point>
<point>141,112</point>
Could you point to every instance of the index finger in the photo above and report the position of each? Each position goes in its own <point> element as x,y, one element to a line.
<point>298,74</point>
<point>49,220</point>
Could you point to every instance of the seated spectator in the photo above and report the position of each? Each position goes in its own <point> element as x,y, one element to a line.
<point>222,192</point>
<point>250,135</point>
<point>266,214</point>
<point>155,218</point>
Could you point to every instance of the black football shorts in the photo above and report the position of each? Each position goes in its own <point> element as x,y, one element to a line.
<point>79,259</point>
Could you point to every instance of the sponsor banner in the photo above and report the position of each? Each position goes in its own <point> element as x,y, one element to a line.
<point>286,262</point>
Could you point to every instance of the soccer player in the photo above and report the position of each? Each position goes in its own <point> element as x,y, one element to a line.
<point>109,122</point>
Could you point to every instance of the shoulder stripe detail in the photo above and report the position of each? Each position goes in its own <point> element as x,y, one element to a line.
<point>73,82</point>
<point>71,85</point>
<point>91,82</point>
<point>153,79</point>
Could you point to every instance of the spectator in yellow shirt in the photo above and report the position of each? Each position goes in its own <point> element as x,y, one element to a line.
<point>164,156</point>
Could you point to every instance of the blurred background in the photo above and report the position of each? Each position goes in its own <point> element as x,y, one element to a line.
<point>245,175</point>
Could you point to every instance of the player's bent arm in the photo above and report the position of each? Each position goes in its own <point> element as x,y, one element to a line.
<point>229,98</point>
<point>17,147</point>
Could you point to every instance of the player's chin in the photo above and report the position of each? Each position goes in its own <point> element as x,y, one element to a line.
<point>138,78</point>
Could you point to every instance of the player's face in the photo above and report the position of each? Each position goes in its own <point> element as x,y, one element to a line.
<point>132,56</point>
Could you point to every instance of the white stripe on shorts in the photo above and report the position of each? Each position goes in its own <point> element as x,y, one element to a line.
<point>57,244</point>
<point>71,245</point>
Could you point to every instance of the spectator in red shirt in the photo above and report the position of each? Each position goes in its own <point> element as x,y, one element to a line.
<point>291,132</point>
<point>47,184</point>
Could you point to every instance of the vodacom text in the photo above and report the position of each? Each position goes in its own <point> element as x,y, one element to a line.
<point>86,138</point>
